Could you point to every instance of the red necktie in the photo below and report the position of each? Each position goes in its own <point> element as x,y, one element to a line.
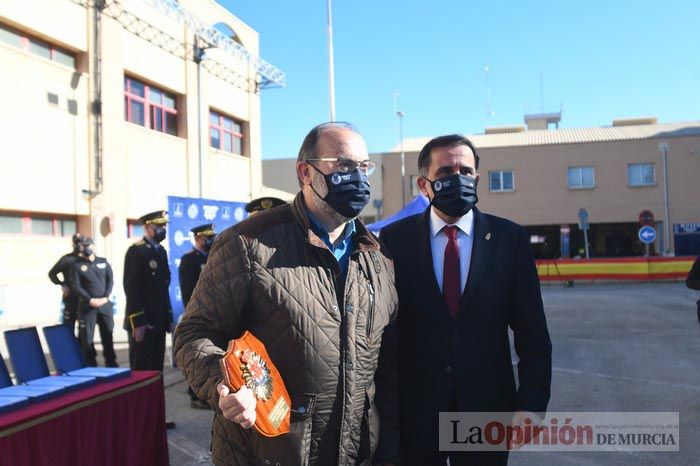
<point>450,272</point>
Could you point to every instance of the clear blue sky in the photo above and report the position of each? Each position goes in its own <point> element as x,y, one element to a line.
<point>600,59</point>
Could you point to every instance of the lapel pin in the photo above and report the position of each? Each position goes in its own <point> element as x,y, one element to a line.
<point>488,236</point>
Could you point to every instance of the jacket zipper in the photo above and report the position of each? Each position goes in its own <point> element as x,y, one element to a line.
<point>370,311</point>
<point>343,332</point>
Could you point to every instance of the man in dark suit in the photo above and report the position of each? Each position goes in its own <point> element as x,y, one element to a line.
<point>191,265</point>
<point>693,280</point>
<point>464,277</point>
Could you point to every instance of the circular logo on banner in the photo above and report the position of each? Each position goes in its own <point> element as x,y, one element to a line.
<point>335,179</point>
<point>238,214</point>
<point>153,264</point>
<point>179,238</point>
<point>192,211</point>
<point>438,185</point>
<point>83,268</point>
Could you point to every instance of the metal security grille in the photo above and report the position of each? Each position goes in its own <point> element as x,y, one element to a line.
<point>266,75</point>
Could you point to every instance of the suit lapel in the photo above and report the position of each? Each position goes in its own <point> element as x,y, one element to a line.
<point>435,303</point>
<point>482,248</point>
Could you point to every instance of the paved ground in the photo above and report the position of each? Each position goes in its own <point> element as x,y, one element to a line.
<point>631,347</point>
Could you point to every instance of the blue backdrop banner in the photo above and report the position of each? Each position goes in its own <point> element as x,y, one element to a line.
<point>185,214</point>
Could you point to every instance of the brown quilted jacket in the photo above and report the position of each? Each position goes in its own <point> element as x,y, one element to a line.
<point>334,346</point>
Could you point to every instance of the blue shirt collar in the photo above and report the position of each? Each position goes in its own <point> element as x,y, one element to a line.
<point>320,230</point>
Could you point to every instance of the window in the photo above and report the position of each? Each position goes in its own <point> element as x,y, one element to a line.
<point>19,224</point>
<point>501,181</point>
<point>36,46</point>
<point>225,133</point>
<point>641,174</point>
<point>581,177</point>
<point>134,229</point>
<point>149,106</point>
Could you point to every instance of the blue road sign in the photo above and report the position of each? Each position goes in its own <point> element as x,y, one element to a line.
<point>647,234</point>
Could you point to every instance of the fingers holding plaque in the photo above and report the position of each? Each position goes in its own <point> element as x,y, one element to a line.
<point>246,363</point>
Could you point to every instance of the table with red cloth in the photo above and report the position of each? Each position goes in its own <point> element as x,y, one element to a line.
<point>112,423</point>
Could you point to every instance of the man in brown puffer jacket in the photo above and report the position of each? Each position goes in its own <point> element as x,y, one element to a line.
<point>314,286</point>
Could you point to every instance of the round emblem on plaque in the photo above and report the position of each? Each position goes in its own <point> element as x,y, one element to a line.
<point>256,374</point>
<point>153,264</point>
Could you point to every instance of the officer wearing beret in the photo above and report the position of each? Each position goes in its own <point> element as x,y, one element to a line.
<point>263,203</point>
<point>191,265</point>
<point>91,280</point>
<point>146,279</point>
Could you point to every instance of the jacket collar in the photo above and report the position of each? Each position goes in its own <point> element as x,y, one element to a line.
<point>364,240</point>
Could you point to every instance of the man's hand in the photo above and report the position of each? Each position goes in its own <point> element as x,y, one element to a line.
<point>138,333</point>
<point>238,407</point>
<point>95,302</point>
<point>521,435</point>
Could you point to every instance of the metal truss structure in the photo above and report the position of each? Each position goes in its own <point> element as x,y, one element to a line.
<point>206,36</point>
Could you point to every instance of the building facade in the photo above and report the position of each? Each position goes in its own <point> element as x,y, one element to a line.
<point>541,178</point>
<point>106,111</point>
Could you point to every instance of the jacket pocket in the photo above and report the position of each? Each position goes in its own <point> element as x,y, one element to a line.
<point>293,448</point>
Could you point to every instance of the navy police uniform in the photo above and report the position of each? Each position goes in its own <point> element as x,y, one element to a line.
<point>146,281</point>
<point>94,279</point>
<point>191,265</point>
<point>62,267</point>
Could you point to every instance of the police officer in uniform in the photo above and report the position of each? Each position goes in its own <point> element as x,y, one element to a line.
<point>146,279</point>
<point>63,266</point>
<point>191,265</point>
<point>91,280</point>
<point>263,203</point>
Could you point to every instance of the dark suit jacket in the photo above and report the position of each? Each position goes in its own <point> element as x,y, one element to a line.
<point>146,281</point>
<point>469,357</point>
<point>190,267</point>
<point>693,280</point>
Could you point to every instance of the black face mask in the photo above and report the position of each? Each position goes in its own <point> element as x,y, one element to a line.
<point>348,193</point>
<point>87,251</point>
<point>159,234</point>
<point>454,195</point>
<point>209,243</point>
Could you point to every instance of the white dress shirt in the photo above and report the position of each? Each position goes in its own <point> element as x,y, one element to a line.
<point>465,240</point>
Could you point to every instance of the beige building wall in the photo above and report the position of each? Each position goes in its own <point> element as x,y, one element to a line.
<point>48,148</point>
<point>542,197</point>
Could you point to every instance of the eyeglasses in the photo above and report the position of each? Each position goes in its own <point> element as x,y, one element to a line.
<point>346,165</point>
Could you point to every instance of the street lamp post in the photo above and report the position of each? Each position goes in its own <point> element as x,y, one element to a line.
<point>400,114</point>
<point>331,75</point>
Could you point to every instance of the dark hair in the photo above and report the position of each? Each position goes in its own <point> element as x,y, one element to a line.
<point>450,140</point>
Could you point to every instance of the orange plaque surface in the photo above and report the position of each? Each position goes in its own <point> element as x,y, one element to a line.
<point>246,362</point>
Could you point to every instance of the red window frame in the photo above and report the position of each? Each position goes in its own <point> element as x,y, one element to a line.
<point>150,107</point>
<point>26,40</point>
<point>26,219</point>
<point>221,128</point>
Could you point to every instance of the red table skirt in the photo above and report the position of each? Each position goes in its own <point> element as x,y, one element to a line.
<point>115,423</point>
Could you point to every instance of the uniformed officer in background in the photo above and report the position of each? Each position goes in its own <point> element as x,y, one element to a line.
<point>262,203</point>
<point>63,266</point>
<point>91,280</point>
<point>191,265</point>
<point>148,313</point>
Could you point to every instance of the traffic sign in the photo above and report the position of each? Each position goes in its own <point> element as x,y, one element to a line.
<point>647,234</point>
<point>583,219</point>
<point>646,217</point>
